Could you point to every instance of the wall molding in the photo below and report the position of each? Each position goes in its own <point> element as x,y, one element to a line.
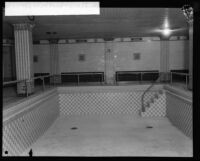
<point>116,39</point>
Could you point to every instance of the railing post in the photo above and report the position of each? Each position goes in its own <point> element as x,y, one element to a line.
<point>43,83</point>
<point>101,78</point>
<point>186,81</point>
<point>116,78</point>
<point>171,77</point>
<point>60,79</point>
<point>53,79</point>
<point>26,84</point>
<point>78,79</point>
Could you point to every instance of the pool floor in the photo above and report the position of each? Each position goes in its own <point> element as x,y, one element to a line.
<point>112,135</point>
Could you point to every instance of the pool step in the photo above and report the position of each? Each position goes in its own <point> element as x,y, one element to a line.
<point>154,98</point>
<point>155,106</point>
<point>151,101</point>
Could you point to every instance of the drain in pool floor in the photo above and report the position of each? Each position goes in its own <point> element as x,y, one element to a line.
<point>74,128</point>
<point>149,127</point>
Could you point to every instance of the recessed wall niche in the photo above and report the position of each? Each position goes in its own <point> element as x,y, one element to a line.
<point>35,58</point>
<point>81,57</point>
<point>136,56</point>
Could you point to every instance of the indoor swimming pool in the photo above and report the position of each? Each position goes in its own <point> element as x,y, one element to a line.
<point>100,121</point>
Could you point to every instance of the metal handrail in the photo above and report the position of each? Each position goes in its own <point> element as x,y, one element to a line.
<point>152,84</point>
<point>183,74</point>
<point>42,76</point>
<point>132,72</point>
<point>15,81</point>
<point>84,73</point>
<point>180,73</point>
<point>26,80</point>
<point>135,72</point>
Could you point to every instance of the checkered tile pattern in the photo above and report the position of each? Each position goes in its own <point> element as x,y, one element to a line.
<point>101,103</point>
<point>179,112</point>
<point>157,108</point>
<point>19,134</point>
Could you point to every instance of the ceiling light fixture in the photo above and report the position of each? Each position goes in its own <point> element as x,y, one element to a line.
<point>51,8</point>
<point>166,23</point>
<point>166,32</point>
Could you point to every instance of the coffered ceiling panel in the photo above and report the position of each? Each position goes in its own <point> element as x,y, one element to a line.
<point>112,22</point>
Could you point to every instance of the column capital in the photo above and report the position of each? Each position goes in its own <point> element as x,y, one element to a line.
<point>23,26</point>
<point>188,13</point>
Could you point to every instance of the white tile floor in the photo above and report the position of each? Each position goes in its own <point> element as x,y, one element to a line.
<point>112,135</point>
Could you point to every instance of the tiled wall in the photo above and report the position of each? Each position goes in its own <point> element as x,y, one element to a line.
<point>179,112</point>
<point>149,56</point>
<point>122,53</point>
<point>43,54</point>
<point>178,54</point>
<point>69,57</point>
<point>8,63</point>
<point>20,131</point>
<point>111,101</point>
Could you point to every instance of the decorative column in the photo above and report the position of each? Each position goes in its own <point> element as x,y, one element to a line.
<point>109,64</point>
<point>54,62</point>
<point>190,86</point>
<point>24,57</point>
<point>188,13</point>
<point>164,60</point>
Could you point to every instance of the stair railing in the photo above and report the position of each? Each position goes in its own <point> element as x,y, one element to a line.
<point>143,95</point>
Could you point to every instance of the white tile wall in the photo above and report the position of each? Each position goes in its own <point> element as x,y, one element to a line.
<point>149,59</point>
<point>178,54</point>
<point>123,52</point>
<point>94,57</point>
<point>43,53</point>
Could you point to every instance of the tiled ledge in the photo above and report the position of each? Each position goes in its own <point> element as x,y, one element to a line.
<point>99,89</point>
<point>180,93</point>
<point>23,106</point>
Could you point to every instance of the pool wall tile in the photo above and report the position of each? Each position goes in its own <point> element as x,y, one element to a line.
<point>102,103</point>
<point>21,132</point>
<point>179,112</point>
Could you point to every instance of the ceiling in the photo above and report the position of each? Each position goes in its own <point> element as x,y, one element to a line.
<point>112,22</point>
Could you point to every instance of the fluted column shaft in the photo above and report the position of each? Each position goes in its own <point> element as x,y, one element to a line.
<point>24,57</point>
<point>54,62</point>
<point>190,86</point>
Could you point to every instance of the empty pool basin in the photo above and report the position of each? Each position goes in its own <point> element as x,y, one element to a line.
<point>61,120</point>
